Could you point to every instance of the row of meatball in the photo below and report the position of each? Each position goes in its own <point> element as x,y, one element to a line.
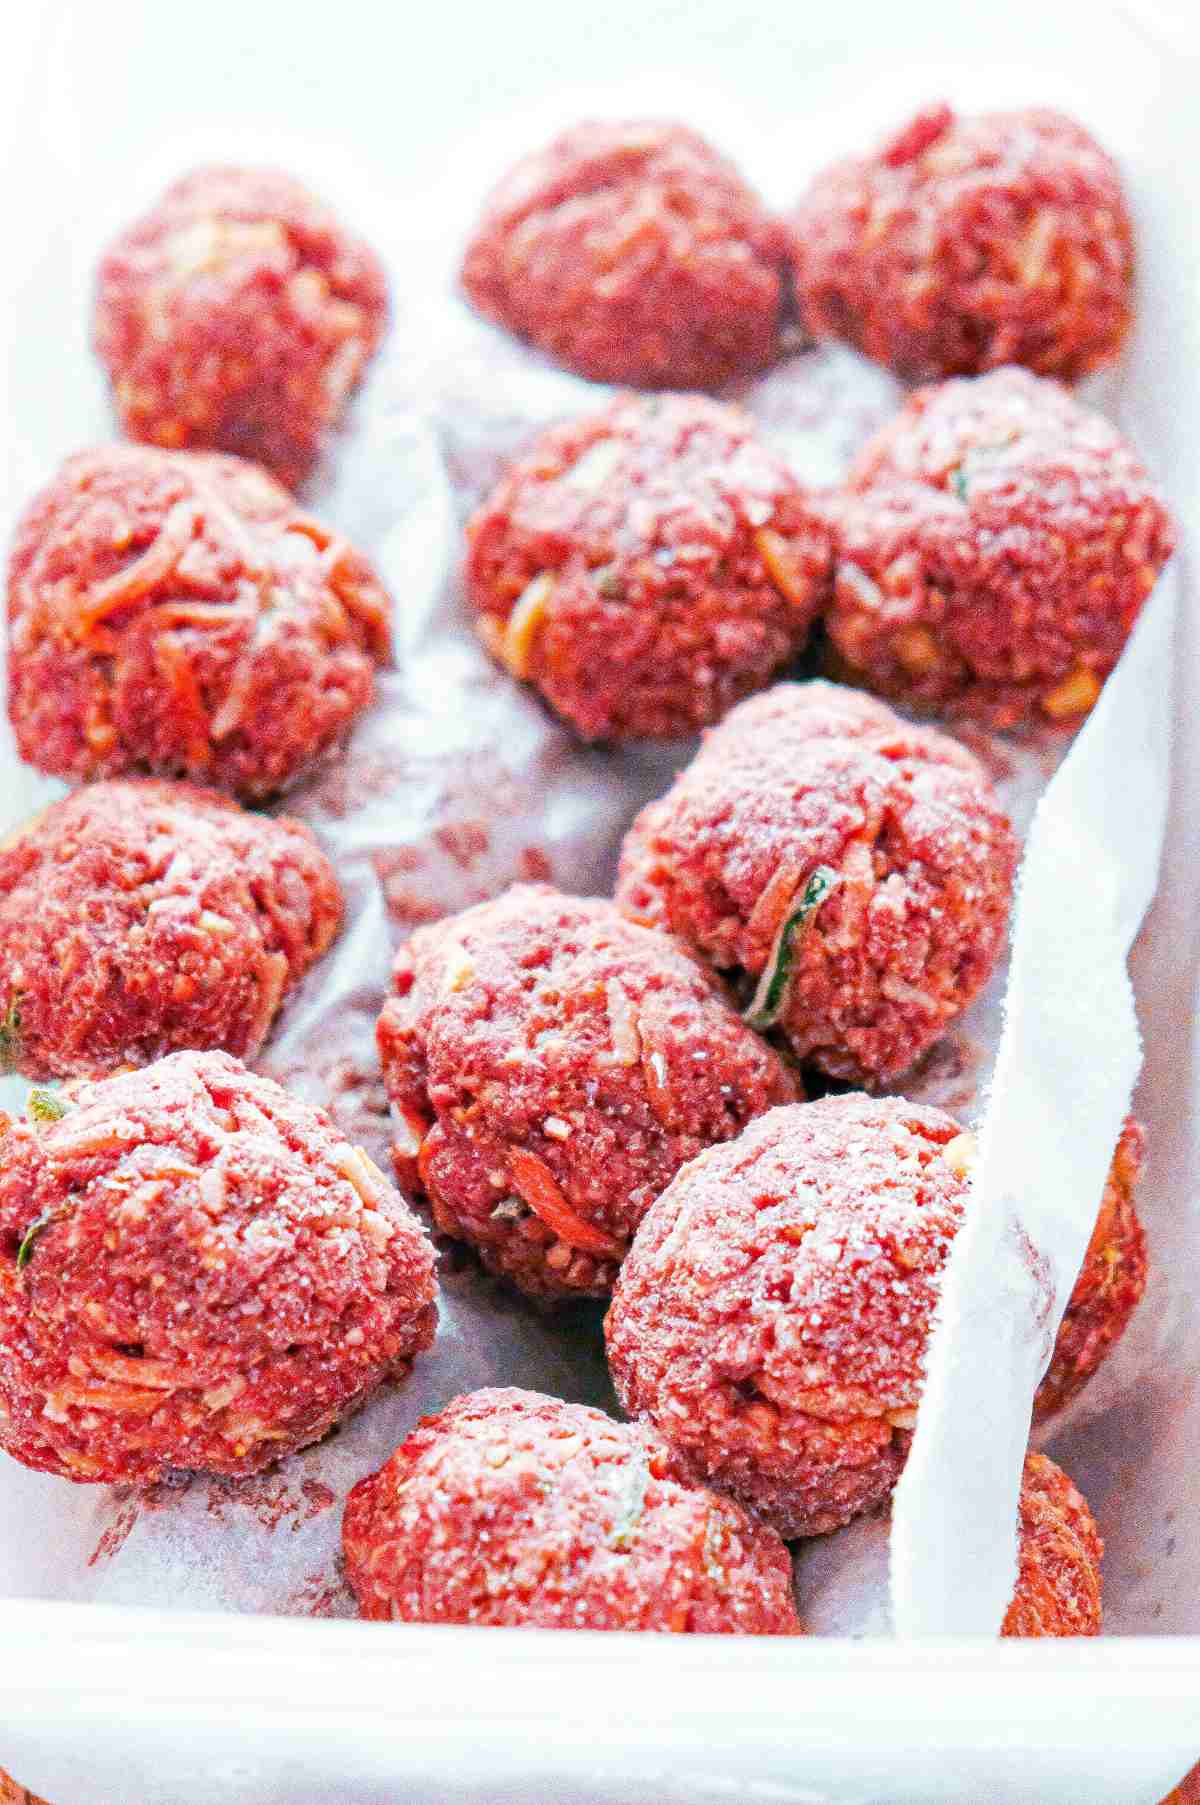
<point>239,314</point>
<point>644,568</point>
<point>201,1274</point>
<point>563,1080</point>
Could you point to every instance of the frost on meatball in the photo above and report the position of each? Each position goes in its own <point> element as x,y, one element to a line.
<point>551,1066</point>
<point>648,566</point>
<point>773,1314</point>
<point>196,1273</point>
<point>851,873</point>
<point>513,1508</point>
<point>1059,1554</point>
<point>176,613</point>
<point>141,917</point>
<point>995,545</point>
<point>632,253</point>
<point>963,244</point>
<point>238,315</point>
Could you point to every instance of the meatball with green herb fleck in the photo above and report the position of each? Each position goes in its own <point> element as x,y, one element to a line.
<point>513,1508</point>
<point>551,1066</point>
<point>137,918</point>
<point>850,873</point>
<point>198,1273</point>
<point>647,566</point>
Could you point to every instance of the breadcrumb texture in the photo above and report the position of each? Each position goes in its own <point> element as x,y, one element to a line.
<point>632,253</point>
<point>238,315</point>
<point>964,244</point>
<point>995,545</point>
<point>196,1272</point>
<point>514,1508</point>
<point>137,918</point>
<point>648,566</point>
<point>1058,1589</point>
<point>810,777</point>
<point>551,1066</point>
<point>773,1314</point>
<point>176,613</point>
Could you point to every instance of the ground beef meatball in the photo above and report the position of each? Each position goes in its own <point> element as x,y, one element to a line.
<point>963,244</point>
<point>196,1272</point>
<point>551,1066</point>
<point>632,253</point>
<point>1110,1283</point>
<point>1059,1554</point>
<point>141,917</point>
<point>176,613</point>
<point>514,1508</point>
<point>995,545</point>
<point>647,566</point>
<point>238,315</point>
<point>851,872</point>
<point>773,1314</point>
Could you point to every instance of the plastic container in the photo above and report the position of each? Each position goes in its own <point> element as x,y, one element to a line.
<point>147,1707</point>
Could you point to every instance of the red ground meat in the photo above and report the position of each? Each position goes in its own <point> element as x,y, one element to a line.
<point>773,1314</point>
<point>141,917</point>
<point>177,613</point>
<point>551,1066</point>
<point>647,566</point>
<point>238,314</point>
<point>1110,1283</point>
<point>513,1508</point>
<point>1058,1579</point>
<point>995,545</point>
<point>881,841</point>
<point>963,244</point>
<point>632,253</point>
<point>196,1272</point>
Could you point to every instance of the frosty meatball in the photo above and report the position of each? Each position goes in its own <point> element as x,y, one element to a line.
<point>995,546</point>
<point>632,253</point>
<point>647,566</point>
<point>1058,1558</point>
<point>513,1508</point>
<point>853,874</point>
<point>963,244</point>
<point>773,1314</point>
<point>196,1272</point>
<point>176,613</point>
<point>551,1066</point>
<point>238,315</point>
<point>141,917</point>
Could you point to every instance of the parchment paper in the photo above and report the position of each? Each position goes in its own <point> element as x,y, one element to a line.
<point>458,783</point>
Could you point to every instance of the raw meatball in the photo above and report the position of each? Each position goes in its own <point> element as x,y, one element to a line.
<point>177,613</point>
<point>963,244</point>
<point>141,917</point>
<point>632,253</point>
<point>513,1508</point>
<point>851,872</point>
<point>1059,1554</point>
<point>647,566</point>
<point>551,1066</point>
<point>238,314</point>
<point>196,1272</point>
<point>773,1314</point>
<point>995,545</point>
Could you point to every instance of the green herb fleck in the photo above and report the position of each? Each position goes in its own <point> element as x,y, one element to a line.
<point>770,998</point>
<point>606,580</point>
<point>632,1502</point>
<point>46,1106</point>
<point>10,1035</point>
<point>958,481</point>
<point>25,1251</point>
